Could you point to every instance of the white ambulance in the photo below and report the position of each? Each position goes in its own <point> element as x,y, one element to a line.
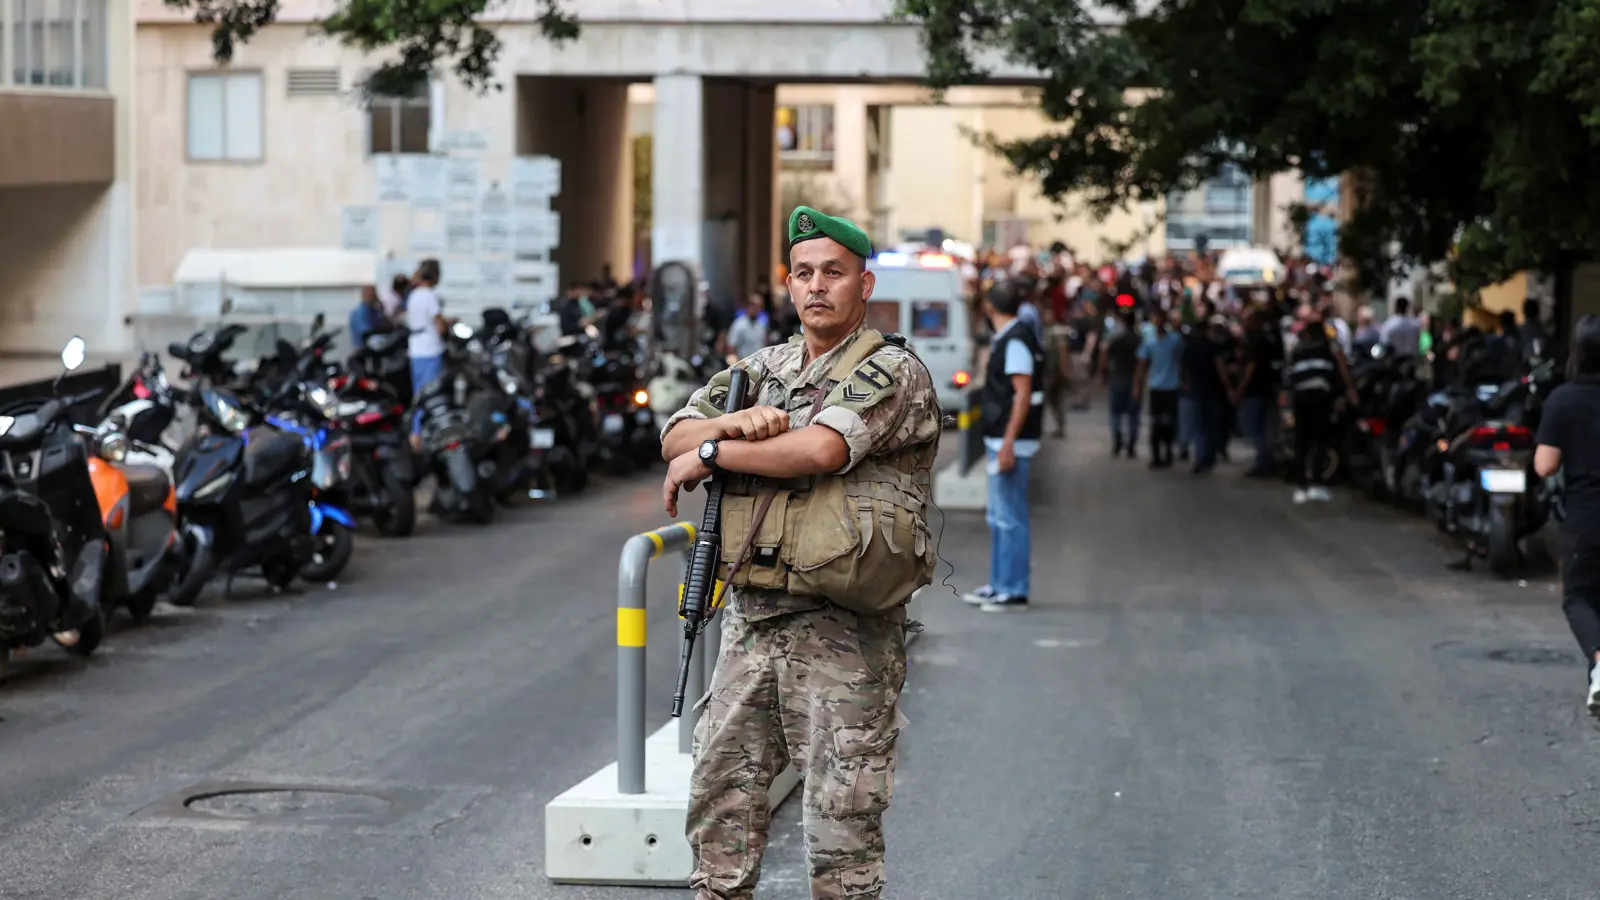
<point>921,295</point>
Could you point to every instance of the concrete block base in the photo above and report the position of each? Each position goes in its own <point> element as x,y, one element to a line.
<point>953,490</point>
<point>595,835</point>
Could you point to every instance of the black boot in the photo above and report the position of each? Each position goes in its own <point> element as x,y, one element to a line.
<point>1116,445</point>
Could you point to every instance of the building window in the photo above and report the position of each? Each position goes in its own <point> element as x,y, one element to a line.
<point>56,43</point>
<point>400,124</point>
<point>225,116</point>
<point>92,43</point>
<point>805,135</point>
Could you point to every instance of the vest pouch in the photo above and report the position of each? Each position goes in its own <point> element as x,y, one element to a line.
<point>764,567</point>
<point>823,535</point>
<point>859,548</point>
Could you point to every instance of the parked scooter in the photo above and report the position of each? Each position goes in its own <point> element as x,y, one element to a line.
<point>245,493</point>
<point>459,436</point>
<point>53,544</point>
<point>140,510</point>
<point>1478,482</point>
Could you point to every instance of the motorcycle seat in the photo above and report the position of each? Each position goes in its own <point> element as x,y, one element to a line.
<point>147,488</point>
<point>270,455</point>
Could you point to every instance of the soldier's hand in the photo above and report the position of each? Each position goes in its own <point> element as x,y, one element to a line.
<point>684,472</point>
<point>757,423</point>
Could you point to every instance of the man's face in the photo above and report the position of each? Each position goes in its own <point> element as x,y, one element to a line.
<point>829,285</point>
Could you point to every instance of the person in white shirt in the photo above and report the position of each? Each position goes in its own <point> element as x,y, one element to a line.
<point>748,333</point>
<point>425,321</point>
<point>1401,332</point>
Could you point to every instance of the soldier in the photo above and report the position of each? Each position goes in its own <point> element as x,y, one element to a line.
<point>845,424</point>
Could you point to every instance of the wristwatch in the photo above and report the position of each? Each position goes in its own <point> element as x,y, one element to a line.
<point>708,453</point>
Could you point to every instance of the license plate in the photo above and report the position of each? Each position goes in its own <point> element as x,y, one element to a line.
<point>612,423</point>
<point>1504,481</point>
<point>542,438</point>
<point>644,417</point>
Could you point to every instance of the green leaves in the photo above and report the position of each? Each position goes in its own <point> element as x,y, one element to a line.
<point>1471,125</point>
<point>422,36</point>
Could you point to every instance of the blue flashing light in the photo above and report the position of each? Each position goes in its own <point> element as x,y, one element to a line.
<point>890,258</point>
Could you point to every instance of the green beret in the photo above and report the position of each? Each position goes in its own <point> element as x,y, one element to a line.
<point>806,223</point>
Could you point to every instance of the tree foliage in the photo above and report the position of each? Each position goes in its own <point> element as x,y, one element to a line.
<point>1469,127</point>
<point>416,37</point>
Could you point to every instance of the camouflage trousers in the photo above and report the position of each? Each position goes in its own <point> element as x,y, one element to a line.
<point>819,689</point>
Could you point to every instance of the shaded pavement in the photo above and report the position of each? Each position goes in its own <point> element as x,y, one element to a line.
<point>1217,694</point>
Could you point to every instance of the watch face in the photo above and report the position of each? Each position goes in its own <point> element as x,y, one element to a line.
<point>708,450</point>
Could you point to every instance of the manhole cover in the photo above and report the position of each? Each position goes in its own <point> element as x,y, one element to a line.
<point>1533,656</point>
<point>291,805</point>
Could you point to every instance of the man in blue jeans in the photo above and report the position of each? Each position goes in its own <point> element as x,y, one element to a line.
<point>1012,422</point>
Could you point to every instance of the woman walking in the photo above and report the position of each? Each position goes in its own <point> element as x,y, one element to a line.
<point>1569,439</point>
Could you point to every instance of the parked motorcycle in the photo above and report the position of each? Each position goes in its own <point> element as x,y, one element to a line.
<point>53,545</point>
<point>384,473</point>
<point>628,435</point>
<point>246,497</point>
<point>140,510</point>
<point>1477,479</point>
<point>459,436</point>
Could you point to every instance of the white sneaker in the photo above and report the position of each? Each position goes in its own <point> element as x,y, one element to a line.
<point>1300,496</point>
<point>979,596</point>
<point>1320,494</point>
<point>1594,692</point>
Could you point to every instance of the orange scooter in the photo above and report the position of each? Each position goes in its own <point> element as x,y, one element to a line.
<point>140,511</point>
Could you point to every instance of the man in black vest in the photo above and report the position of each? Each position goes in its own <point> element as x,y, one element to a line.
<point>1013,419</point>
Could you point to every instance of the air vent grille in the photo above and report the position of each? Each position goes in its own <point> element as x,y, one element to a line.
<point>313,82</point>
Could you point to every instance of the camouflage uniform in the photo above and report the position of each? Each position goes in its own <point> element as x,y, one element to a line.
<point>800,680</point>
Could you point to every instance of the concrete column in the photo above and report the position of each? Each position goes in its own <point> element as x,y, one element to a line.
<point>761,165</point>
<point>678,170</point>
<point>726,160</point>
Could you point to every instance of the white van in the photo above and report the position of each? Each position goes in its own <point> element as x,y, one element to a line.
<point>921,297</point>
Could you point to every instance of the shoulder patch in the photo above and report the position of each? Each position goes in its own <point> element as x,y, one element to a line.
<point>872,381</point>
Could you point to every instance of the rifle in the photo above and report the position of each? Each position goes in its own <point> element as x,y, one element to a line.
<point>700,578</point>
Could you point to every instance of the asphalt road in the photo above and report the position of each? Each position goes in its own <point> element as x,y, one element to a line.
<point>1218,695</point>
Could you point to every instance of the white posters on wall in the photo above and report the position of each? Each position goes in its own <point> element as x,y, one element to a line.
<point>358,228</point>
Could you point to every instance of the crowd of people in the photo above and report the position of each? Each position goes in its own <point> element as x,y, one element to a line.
<point>1198,361</point>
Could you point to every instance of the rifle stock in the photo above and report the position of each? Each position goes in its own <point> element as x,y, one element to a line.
<point>700,577</point>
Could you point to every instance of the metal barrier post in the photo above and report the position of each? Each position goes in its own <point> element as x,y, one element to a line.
<point>970,421</point>
<point>632,628</point>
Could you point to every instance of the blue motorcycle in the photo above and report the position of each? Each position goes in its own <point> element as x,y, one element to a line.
<point>331,464</point>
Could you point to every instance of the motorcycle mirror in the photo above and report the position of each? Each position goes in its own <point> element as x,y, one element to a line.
<point>318,322</point>
<point>73,354</point>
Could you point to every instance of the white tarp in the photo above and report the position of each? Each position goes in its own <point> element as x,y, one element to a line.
<point>278,267</point>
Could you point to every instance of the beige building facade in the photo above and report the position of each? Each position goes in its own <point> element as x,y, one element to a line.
<point>66,174</point>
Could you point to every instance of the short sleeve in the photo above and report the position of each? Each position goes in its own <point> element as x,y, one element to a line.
<point>1144,349</point>
<point>708,402</point>
<point>888,403</point>
<point>1553,421</point>
<point>1019,359</point>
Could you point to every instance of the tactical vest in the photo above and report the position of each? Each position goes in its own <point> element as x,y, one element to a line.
<point>998,391</point>
<point>859,540</point>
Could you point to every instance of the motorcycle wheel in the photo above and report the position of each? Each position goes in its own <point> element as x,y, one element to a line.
<point>202,566</point>
<point>1503,555</point>
<point>141,605</point>
<point>335,543</point>
<point>480,507</point>
<point>399,518</point>
<point>85,638</point>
